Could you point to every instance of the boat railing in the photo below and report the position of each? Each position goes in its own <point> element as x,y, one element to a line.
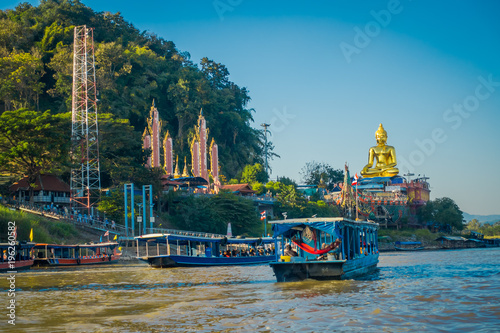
<point>183,232</point>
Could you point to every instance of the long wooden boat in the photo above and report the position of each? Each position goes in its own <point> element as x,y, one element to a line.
<point>349,249</point>
<point>72,255</point>
<point>16,256</point>
<point>408,246</point>
<point>177,250</point>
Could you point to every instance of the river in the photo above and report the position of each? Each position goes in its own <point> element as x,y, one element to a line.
<point>429,291</point>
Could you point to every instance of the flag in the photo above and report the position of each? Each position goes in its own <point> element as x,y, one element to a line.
<point>100,239</point>
<point>31,235</point>
<point>106,233</point>
<point>15,233</point>
<point>355,181</point>
<point>263,215</point>
<point>116,236</point>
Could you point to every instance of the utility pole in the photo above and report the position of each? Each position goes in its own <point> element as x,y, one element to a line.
<point>85,175</point>
<point>265,144</point>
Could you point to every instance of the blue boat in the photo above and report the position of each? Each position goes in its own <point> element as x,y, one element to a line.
<point>324,249</point>
<point>179,250</point>
<point>408,246</point>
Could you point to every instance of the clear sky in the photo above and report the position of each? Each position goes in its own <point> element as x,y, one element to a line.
<point>324,74</point>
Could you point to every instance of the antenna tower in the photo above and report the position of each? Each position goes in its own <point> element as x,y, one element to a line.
<point>85,174</point>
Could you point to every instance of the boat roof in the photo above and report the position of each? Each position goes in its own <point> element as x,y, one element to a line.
<point>62,246</point>
<point>23,245</point>
<point>408,243</point>
<point>330,225</point>
<point>230,240</point>
<point>311,220</point>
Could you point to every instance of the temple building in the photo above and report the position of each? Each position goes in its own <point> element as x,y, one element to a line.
<point>151,137</point>
<point>199,155</point>
<point>382,195</point>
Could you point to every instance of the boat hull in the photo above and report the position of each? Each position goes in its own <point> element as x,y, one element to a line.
<point>408,249</point>
<point>324,269</point>
<point>18,265</point>
<point>164,261</point>
<point>77,261</point>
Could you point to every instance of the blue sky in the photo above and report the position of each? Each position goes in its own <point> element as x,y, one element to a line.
<point>324,74</point>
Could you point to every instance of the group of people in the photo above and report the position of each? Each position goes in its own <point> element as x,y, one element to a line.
<point>250,252</point>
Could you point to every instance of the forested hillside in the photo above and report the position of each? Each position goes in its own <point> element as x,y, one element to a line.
<point>132,69</point>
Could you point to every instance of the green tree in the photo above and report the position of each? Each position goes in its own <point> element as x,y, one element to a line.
<point>120,151</point>
<point>212,214</point>
<point>33,142</point>
<point>132,69</point>
<point>473,225</point>
<point>313,172</point>
<point>112,205</point>
<point>443,211</point>
<point>20,74</point>
<point>254,173</point>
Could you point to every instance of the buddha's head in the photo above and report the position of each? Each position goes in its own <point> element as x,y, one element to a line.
<point>381,135</point>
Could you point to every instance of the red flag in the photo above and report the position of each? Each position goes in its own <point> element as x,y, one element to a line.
<point>355,181</point>
<point>263,215</point>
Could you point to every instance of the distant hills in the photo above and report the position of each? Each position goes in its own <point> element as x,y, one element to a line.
<point>482,218</point>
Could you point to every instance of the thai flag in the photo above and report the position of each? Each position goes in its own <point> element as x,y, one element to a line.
<point>106,233</point>
<point>355,181</point>
<point>263,215</point>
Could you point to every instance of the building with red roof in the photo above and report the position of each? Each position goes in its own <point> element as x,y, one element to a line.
<point>48,189</point>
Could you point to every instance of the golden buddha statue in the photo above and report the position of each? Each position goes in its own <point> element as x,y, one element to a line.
<point>384,155</point>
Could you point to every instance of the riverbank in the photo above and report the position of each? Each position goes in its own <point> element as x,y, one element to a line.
<point>45,230</point>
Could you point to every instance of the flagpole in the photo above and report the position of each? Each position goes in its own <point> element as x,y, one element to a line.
<point>265,226</point>
<point>356,199</point>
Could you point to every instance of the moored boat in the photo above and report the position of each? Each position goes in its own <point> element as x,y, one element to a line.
<point>178,250</point>
<point>72,255</point>
<point>408,246</point>
<point>16,256</point>
<point>349,249</point>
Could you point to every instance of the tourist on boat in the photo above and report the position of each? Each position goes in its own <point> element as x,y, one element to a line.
<point>289,251</point>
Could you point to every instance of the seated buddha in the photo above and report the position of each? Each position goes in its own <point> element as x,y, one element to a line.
<point>384,157</point>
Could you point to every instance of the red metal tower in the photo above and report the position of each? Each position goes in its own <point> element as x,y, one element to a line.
<point>85,174</point>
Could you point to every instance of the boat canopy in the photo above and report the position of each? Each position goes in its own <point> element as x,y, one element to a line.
<point>162,238</point>
<point>21,245</point>
<point>330,225</point>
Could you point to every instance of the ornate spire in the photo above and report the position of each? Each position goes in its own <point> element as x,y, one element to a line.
<point>185,171</point>
<point>176,172</point>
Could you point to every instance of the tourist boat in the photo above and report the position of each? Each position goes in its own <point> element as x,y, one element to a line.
<point>193,249</point>
<point>16,257</point>
<point>349,249</point>
<point>408,246</point>
<point>71,255</point>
